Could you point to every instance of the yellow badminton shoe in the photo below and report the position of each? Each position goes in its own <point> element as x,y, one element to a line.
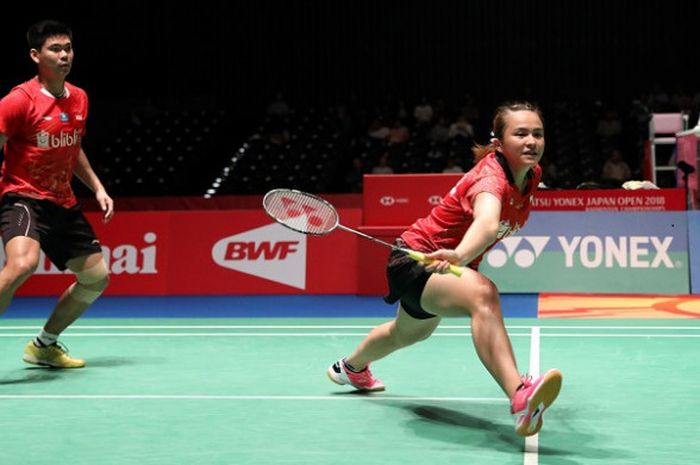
<point>55,356</point>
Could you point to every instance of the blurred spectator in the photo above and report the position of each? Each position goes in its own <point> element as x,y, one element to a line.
<point>609,125</point>
<point>378,130</point>
<point>550,172</point>
<point>423,112</point>
<point>401,111</point>
<point>353,180</point>
<point>398,134</point>
<point>451,166</point>
<point>682,101</point>
<point>279,106</point>
<point>461,128</point>
<point>382,166</point>
<point>659,100</point>
<point>345,120</point>
<point>279,135</point>
<point>441,131</point>
<point>616,170</point>
<point>469,109</point>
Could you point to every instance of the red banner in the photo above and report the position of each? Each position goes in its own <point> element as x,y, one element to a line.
<point>610,200</point>
<point>398,200</point>
<point>213,252</point>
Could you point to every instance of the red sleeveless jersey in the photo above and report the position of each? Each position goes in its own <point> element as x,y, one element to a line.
<point>447,223</point>
<point>44,136</point>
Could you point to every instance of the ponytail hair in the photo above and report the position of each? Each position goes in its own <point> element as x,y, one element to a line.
<point>499,125</point>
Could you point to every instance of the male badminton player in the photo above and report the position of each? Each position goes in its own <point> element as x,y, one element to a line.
<point>42,122</point>
<point>488,203</point>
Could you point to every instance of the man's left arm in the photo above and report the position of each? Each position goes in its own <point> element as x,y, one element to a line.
<point>83,171</point>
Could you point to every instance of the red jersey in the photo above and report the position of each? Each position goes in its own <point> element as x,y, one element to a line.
<point>447,223</point>
<point>43,141</point>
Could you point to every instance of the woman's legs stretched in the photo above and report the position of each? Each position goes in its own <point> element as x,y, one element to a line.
<point>402,331</point>
<point>476,296</point>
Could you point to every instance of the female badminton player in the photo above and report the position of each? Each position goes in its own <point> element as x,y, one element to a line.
<point>488,203</point>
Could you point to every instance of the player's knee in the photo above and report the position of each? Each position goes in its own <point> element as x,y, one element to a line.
<point>90,283</point>
<point>22,268</point>
<point>487,300</point>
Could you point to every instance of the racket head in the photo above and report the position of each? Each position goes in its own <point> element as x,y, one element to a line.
<point>301,211</point>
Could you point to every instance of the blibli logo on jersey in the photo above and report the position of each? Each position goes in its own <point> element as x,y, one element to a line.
<point>505,229</point>
<point>44,140</point>
<point>523,256</point>
<point>271,252</point>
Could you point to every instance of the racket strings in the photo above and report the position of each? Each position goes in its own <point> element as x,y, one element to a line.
<point>301,212</point>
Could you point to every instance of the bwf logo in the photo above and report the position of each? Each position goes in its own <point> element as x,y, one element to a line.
<point>271,252</point>
<point>523,255</point>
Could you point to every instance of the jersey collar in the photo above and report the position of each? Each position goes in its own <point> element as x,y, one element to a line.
<point>509,174</point>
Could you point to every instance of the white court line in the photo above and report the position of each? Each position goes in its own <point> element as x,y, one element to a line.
<point>215,327</point>
<point>696,328</point>
<point>601,335</point>
<point>370,397</point>
<point>617,335</point>
<point>78,326</point>
<point>70,334</point>
<point>531,455</point>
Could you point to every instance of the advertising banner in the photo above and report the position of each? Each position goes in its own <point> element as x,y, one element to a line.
<point>212,252</point>
<point>694,250</point>
<point>610,200</point>
<point>134,246</point>
<point>400,199</point>
<point>244,252</point>
<point>596,252</point>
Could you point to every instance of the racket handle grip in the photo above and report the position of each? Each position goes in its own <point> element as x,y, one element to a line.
<point>420,257</point>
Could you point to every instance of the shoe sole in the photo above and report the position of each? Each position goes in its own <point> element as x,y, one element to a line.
<point>331,375</point>
<point>546,393</point>
<point>34,361</point>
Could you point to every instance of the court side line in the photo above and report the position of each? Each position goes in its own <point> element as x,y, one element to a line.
<point>531,455</point>
<point>602,335</point>
<point>371,397</point>
<point>650,328</point>
<point>69,334</point>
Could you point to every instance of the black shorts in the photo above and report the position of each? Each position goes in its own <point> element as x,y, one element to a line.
<point>63,233</point>
<point>407,279</point>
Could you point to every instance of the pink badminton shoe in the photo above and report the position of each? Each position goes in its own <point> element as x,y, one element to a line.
<point>531,400</point>
<point>362,381</point>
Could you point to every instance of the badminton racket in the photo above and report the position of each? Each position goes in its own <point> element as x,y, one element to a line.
<point>309,214</point>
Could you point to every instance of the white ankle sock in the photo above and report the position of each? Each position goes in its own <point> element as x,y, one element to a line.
<point>45,339</point>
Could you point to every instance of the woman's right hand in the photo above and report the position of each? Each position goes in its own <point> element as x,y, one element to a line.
<point>440,261</point>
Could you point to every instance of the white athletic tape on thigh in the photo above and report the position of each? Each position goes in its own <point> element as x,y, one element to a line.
<point>95,273</point>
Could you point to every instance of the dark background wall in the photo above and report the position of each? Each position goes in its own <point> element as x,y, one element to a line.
<point>323,51</point>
